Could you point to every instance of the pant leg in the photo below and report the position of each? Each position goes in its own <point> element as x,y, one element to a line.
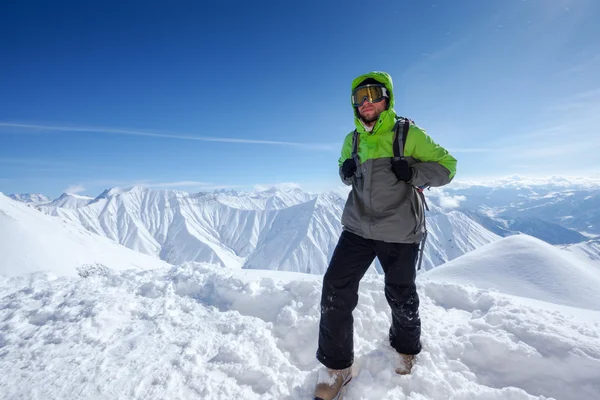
<point>351,259</point>
<point>398,261</point>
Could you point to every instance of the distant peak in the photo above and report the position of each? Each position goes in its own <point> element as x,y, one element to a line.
<point>66,195</point>
<point>107,193</point>
<point>30,198</point>
<point>283,187</point>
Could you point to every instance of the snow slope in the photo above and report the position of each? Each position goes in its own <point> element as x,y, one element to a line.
<point>300,238</point>
<point>589,249</point>
<point>32,241</point>
<point>203,332</point>
<point>525,266</point>
<point>450,235</point>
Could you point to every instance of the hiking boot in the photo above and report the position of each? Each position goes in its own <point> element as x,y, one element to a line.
<point>404,363</point>
<point>331,383</point>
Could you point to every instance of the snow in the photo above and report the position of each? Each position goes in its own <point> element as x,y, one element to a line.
<point>525,266</point>
<point>201,331</point>
<point>277,229</point>
<point>514,319</point>
<point>69,200</point>
<point>32,241</point>
<point>31,198</point>
<point>589,249</point>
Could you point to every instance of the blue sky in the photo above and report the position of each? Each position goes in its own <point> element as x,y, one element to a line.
<point>239,94</point>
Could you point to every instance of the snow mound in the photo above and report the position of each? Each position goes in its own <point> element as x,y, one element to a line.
<point>527,267</point>
<point>33,241</point>
<point>200,331</point>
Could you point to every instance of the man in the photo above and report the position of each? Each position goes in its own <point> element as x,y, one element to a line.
<point>383,217</point>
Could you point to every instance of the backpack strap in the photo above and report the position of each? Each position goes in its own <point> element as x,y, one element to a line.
<point>400,133</point>
<point>355,139</point>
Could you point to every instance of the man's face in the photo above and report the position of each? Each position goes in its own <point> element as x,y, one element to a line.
<point>369,112</point>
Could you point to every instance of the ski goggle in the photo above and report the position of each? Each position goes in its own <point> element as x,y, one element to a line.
<point>371,93</point>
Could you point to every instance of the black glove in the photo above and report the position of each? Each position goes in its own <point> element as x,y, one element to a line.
<point>348,168</point>
<point>402,170</point>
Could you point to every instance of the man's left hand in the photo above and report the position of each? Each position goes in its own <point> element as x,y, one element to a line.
<point>402,170</point>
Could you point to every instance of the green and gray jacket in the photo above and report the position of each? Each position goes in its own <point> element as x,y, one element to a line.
<point>379,206</point>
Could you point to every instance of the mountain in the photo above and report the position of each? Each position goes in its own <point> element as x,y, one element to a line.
<point>68,200</point>
<point>536,227</point>
<point>528,267</point>
<point>269,199</point>
<point>279,229</point>
<point>546,231</point>
<point>300,238</point>
<point>589,249</point>
<point>199,331</point>
<point>35,198</point>
<point>32,241</point>
<point>450,235</point>
<point>572,203</point>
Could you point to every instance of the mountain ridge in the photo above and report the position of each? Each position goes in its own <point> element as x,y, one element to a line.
<point>285,229</point>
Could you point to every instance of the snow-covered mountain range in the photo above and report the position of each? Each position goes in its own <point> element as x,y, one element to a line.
<point>34,198</point>
<point>289,230</point>
<point>293,230</point>
<point>572,203</point>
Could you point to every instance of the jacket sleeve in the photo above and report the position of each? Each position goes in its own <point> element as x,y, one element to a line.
<point>346,154</point>
<point>434,165</point>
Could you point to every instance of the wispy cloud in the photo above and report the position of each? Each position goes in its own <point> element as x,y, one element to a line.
<point>51,165</point>
<point>583,102</point>
<point>567,131</point>
<point>589,181</point>
<point>451,202</point>
<point>192,185</point>
<point>281,186</point>
<point>34,162</point>
<point>146,183</point>
<point>473,150</point>
<point>590,60</point>
<point>74,189</point>
<point>445,200</point>
<point>166,135</point>
<point>171,184</point>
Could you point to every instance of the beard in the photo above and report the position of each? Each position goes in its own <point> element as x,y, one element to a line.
<point>370,119</point>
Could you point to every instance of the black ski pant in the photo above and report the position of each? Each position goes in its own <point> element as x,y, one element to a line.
<point>351,258</point>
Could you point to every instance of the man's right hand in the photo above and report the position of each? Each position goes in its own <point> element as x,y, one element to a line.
<point>348,168</point>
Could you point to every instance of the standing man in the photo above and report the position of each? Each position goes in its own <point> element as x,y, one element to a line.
<point>387,160</point>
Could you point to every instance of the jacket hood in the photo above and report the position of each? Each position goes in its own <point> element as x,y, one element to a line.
<point>386,80</point>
